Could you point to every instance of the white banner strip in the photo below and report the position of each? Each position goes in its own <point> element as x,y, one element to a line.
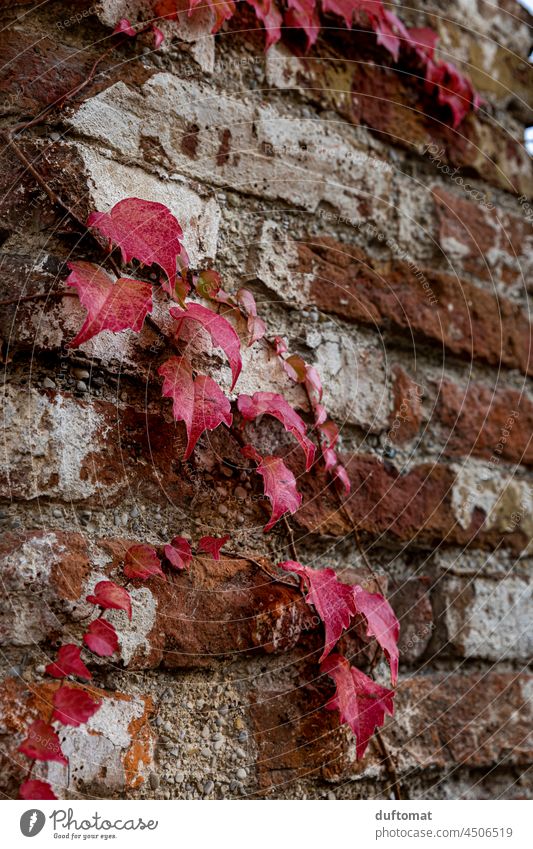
<point>219,824</point>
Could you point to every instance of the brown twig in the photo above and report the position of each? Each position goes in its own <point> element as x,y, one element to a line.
<point>275,576</point>
<point>38,296</point>
<point>390,766</point>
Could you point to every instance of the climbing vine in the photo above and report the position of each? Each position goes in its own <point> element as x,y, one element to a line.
<point>147,233</point>
<point>412,46</point>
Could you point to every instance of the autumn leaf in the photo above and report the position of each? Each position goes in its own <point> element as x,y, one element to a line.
<point>279,485</point>
<point>199,403</point>
<point>270,16</point>
<point>275,405</point>
<point>223,10</point>
<point>222,333</point>
<point>212,545</point>
<point>141,562</point>
<point>303,14</point>
<point>423,41</point>
<point>382,624</point>
<point>179,553</point>
<point>109,595</point>
<point>68,662</point>
<point>110,306</point>
<point>124,27</point>
<point>101,638</point>
<point>35,789</point>
<point>332,600</point>
<point>256,326</point>
<point>361,703</point>
<point>146,231</point>
<point>340,474</point>
<point>73,706</point>
<point>42,743</point>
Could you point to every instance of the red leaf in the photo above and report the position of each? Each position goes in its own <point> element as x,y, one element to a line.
<point>109,595</point>
<point>341,474</point>
<point>199,403</point>
<point>313,384</point>
<point>124,27</point>
<point>213,545</point>
<point>35,789</point>
<point>279,485</point>
<point>343,8</point>
<point>141,562</point>
<point>453,89</point>
<point>73,706</point>
<point>303,15</point>
<point>146,231</point>
<point>276,406</point>
<point>331,433</point>
<point>222,9</point>
<point>222,333</point>
<point>256,326</point>
<point>208,284</point>
<point>110,306</point>
<point>42,743</point>
<point>332,600</point>
<point>268,13</point>
<point>423,41</point>
<point>382,624</point>
<point>179,553</point>
<point>159,37</point>
<point>361,702</point>
<point>68,662</point>
<point>280,345</point>
<point>391,32</point>
<point>101,638</point>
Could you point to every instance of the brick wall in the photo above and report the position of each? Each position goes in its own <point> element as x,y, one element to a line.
<point>393,253</point>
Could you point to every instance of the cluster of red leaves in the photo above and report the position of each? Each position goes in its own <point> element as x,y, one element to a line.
<point>72,704</point>
<point>415,46</point>
<point>361,703</point>
<point>148,233</point>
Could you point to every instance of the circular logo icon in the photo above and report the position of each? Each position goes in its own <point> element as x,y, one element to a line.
<point>32,822</point>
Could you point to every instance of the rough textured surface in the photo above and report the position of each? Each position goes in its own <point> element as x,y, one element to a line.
<point>391,252</point>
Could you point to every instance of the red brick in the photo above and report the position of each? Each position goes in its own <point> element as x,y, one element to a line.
<point>406,415</point>
<point>485,422</point>
<point>436,308</point>
<point>415,507</point>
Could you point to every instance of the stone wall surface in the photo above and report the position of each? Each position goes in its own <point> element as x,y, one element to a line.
<point>392,252</point>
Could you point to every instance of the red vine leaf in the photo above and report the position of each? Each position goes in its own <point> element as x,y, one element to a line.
<point>35,789</point>
<point>268,13</point>
<point>313,384</point>
<point>141,562</point>
<point>222,333</point>
<point>124,27</point>
<point>453,89</point>
<point>295,368</point>
<point>275,405</point>
<point>303,14</point>
<point>256,326</point>
<point>223,10</point>
<point>389,29</point>
<point>42,743</point>
<point>101,638</point>
<point>279,485</point>
<point>382,624</point>
<point>159,37</point>
<point>107,594</point>
<point>179,553</point>
<point>199,403</point>
<point>73,706</point>
<point>332,600</point>
<point>423,41</point>
<point>340,474</point>
<point>110,306</point>
<point>361,703</point>
<point>212,545</point>
<point>146,231</point>
<point>68,662</point>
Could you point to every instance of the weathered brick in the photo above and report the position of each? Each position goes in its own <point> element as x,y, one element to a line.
<point>489,243</point>
<point>485,421</point>
<point>488,619</point>
<point>465,319</point>
<point>112,753</point>
<point>441,720</point>
<point>406,416</point>
<point>429,503</point>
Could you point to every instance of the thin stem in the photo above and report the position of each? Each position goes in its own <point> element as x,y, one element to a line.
<point>390,766</point>
<point>38,296</point>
